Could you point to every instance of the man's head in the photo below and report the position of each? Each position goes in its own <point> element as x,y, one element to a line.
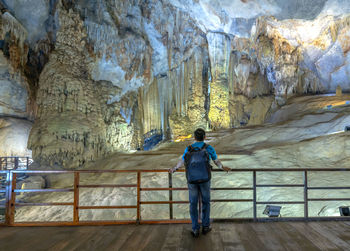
<point>199,134</point>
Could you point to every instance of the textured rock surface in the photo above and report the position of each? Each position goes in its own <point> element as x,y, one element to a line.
<point>13,92</point>
<point>34,22</point>
<point>104,76</point>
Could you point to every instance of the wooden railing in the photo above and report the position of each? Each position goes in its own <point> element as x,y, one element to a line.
<point>11,190</point>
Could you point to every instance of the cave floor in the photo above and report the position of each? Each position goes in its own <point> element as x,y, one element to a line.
<point>332,235</point>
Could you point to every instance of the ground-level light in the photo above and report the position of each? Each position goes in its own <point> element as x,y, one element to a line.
<point>272,211</point>
<point>344,211</point>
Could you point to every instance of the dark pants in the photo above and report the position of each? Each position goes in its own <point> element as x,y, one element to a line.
<point>204,190</point>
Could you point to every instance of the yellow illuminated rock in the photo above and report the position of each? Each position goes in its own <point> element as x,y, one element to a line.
<point>219,116</point>
<point>339,91</point>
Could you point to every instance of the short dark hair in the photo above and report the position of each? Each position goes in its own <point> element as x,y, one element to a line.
<point>199,134</point>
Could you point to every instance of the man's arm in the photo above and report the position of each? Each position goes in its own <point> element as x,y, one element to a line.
<point>214,157</point>
<point>219,165</point>
<point>178,165</point>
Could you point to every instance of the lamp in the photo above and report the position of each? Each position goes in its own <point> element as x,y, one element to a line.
<point>344,211</point>
<point>272,211</point>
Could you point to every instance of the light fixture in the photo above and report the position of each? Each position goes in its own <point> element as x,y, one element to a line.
<point>272,211</point>
<point>344,211</point>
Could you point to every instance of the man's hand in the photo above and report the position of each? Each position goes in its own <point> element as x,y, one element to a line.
<point>220,165</point>
<point>172,170</point>
<point>178,165</point>
<point>226,168</point>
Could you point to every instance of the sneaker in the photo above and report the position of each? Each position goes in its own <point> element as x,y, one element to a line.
<point>206,230</point>
<point>195,233</point>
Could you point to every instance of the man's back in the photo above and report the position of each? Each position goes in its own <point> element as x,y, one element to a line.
<point>199,144</point>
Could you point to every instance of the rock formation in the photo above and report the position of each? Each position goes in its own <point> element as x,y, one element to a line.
<point>97,77</point>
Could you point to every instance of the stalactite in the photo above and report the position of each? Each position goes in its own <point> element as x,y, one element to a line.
<point>10,24</point>
<point>219,50</point>
<point>151,107</point>
<point>102,36</point>
<point>177,106</point>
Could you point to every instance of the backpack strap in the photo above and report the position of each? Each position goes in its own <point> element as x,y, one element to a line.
<point>190,148</point>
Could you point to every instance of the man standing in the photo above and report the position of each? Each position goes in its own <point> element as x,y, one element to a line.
<point>196,159</point>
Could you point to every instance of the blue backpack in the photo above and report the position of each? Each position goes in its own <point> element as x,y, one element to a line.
<point>198,169</point>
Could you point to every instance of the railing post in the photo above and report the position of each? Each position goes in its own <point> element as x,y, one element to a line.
<point>170,177</point>
<point>27,163</point>
<point>138,217</point>
<point>10,198</point>
<point>7,197</point>
<point>254,195</point>
<point>306,204</point>
<point>16,163</point>
<point>76,198</point>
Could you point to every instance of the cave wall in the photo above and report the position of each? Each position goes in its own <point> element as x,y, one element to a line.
<point>97,77</point>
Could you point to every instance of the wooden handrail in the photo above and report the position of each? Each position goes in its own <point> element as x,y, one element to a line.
<point>11,194</point>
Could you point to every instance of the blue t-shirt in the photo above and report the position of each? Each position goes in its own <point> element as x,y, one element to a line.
<point>210,150</point>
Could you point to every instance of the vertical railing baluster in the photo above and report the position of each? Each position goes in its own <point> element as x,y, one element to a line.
<point>170,178</point>
<point>10,198</point>
<point>76,197</point>
<point>16,163</point>
<point>254,195</point>
<point>138,217</point>
<point>27,163</point>
<point>306,204</point>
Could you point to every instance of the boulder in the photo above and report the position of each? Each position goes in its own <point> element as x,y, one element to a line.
<point>32,182</point>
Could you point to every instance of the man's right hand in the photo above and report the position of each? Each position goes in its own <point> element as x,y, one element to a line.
<point>172,170</point>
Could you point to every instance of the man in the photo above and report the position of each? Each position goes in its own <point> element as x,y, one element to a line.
<point>201,187</point>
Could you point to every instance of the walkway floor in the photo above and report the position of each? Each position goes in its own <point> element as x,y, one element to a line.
<point>225,236</point>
